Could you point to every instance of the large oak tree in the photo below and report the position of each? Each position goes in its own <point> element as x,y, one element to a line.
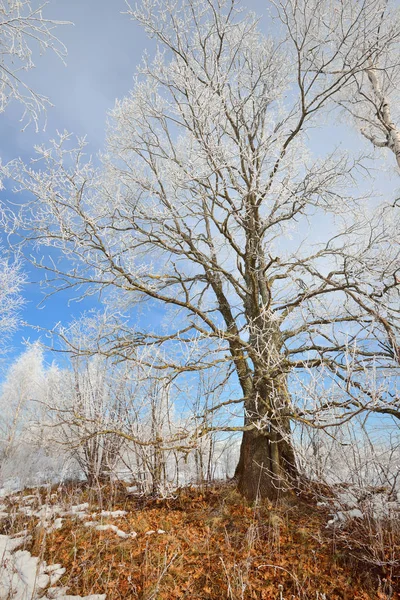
<point>211,206</point>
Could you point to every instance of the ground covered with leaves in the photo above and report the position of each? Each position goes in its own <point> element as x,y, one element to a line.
<point>207,544</point>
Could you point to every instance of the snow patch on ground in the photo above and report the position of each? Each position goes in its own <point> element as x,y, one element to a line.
<point>21,574</point>
<point>109,527</point>
<point>113,513</point>
<point>51,516</point>
<point>26,577</point>
<point>353,503</point>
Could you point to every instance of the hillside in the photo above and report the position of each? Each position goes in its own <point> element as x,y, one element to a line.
<point>202,544</point>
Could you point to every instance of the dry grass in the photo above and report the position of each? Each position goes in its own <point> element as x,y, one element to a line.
<point>215,546</point>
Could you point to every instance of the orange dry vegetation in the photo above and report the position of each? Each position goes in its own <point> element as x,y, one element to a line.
<point>214,546</point>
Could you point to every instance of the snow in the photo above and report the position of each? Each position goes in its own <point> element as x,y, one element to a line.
<point>63,596</point>
<point>27,577</point>
<point>353,503</point>
<point>152,532</point>
<point>78,508</point>
<point>23,576</point>
<point>347,498</point>
<point>57,524</point>
<point>109,527</point>
<point>113,513</point>
<point>51,516</point>
<point>354,513</point>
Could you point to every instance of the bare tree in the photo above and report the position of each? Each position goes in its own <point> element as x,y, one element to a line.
<point>87,399</point>
<point>205,207</point>
<point>330,39</point>
<point>23,383</point>
<point>11,282</point>
<point>22,25</point>
<point>373,98</point>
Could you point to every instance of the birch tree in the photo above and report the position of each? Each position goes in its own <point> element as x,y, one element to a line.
<point>211,207</point>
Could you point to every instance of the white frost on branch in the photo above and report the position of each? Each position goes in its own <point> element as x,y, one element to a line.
<point>23,30</point>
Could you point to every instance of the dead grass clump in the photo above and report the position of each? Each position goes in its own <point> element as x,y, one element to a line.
<point>209,544</point>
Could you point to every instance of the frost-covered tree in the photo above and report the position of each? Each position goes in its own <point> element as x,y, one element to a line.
<point>22,28</point>
<point>84,407</point>
<point>129,407</point>
<point>21,393</point>
<point>28,453</point>
<point>327,38</point>
<point>211,206</point>
<point>11,282</point>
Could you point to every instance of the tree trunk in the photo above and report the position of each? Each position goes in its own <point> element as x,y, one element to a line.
<point>267,466</point>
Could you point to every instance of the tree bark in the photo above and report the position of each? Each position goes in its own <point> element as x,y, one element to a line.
<point>267,466</point>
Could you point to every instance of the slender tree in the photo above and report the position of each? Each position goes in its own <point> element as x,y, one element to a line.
<point>211,207</point>
<point>11,282</point>
<point>23,383</point>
